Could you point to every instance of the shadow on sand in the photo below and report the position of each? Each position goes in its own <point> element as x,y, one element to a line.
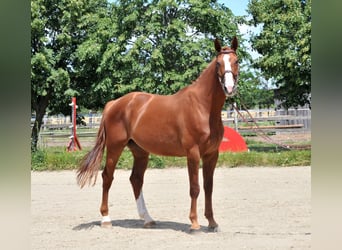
<point>139,224</point>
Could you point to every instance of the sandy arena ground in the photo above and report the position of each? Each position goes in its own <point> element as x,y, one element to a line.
<point>256,208</point>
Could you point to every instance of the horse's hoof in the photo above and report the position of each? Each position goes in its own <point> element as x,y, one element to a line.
<point>106,224</point>
<point>149,224</point>
<point>214,229</point>
<point>195,230</point>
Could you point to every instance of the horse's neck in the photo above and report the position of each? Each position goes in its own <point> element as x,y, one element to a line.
<point>210,91</point>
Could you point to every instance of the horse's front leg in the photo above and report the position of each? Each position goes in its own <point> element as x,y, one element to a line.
<point>209,163</point>
<point>193,159</point>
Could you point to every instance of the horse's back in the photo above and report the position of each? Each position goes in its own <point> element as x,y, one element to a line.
<point>137,107</point>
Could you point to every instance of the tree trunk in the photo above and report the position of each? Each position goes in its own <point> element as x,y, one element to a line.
<point>40,109</point>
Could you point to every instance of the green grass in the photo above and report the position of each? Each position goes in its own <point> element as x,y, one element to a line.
<point>253,159</point>
<point>261,154</point>
<point>55,158</point>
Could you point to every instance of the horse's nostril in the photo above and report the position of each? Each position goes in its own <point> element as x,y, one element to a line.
<point>230,89</point>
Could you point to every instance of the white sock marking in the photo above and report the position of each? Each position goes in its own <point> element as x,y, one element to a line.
<point>142,210</point>
<point>106,219</point>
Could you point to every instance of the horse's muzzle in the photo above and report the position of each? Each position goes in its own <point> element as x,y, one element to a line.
<point>230,91</point>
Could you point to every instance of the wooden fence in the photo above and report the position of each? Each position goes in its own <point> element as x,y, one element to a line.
<point>56,128</point>
<point>277,121</point>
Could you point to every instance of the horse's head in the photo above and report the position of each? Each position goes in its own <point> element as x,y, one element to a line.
<point>227,67</point>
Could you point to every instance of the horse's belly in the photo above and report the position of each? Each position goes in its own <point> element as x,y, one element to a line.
<point>160,143</point>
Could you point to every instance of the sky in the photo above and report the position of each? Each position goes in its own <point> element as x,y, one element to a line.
<point>238,7</point>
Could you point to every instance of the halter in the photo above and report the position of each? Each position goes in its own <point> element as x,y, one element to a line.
<point>222,78</point>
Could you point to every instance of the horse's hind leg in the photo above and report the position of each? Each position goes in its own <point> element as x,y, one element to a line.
<point>113,154</point>
<point>137,180</point>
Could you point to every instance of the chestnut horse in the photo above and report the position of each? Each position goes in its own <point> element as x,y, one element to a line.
<point>187,123</point>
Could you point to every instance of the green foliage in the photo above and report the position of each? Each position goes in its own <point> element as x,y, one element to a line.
<point>39,160</point>
<point>156,162</point>
<point>125,160</point>
<point>57,158</point>
<point>56,32</point>
<point>99,51</point>
<point>285,45</point>
<point>254,158</point>
<point>253,92</point>
<point>153,46</point>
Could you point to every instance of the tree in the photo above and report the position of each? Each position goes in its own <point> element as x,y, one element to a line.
<point>158,46</point>
<point>99,51</point>
<point>285,45</point>
<point>55,36</point>
<point>254,91</point>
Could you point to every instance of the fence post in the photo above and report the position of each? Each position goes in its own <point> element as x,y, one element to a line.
<point>235,118</point>
<point>74,143</point>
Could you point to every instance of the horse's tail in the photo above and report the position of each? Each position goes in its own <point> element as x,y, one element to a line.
<point>90,164</point>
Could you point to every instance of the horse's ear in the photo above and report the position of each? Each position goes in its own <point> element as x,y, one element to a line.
<point>217,45</point>
<point>235,43</point>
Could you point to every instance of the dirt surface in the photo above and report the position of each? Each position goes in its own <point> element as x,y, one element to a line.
<point>256,208</point>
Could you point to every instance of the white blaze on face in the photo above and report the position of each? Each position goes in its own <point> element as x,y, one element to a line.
<point>229,80</point>
<point>142,210</point>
